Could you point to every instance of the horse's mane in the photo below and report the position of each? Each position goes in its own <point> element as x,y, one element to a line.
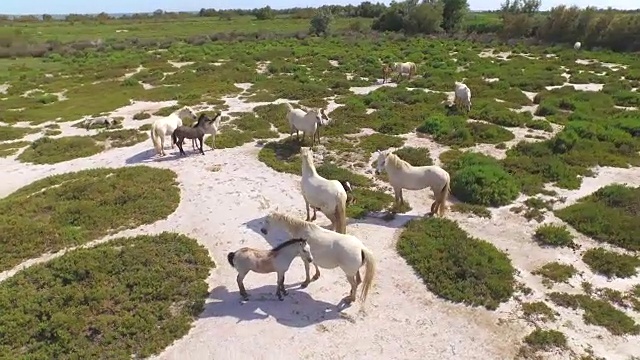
<point>287,243</point>
<point>306,157</point>
<point>294,223</point>
<point>395,160</point>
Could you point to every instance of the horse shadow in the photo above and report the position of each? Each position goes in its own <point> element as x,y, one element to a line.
<point>298,309</point>
<point>149,156</point>
<point>387,219</point>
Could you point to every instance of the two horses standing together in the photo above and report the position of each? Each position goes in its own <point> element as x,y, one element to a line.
<point>172,125</point>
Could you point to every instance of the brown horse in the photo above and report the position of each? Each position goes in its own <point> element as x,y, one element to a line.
<point>277,260</point>
<point>386,73</point>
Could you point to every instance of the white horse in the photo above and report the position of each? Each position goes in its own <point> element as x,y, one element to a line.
<point>211,129</point>
<point>462,95</point>
<point>277,260</point>
<point>306,121</point>
<point>577,45</point>
<point>403,175</point>
<point>328,196</point>
<point>330,250</point>
<point>408,68</point>
<point>167,125</point>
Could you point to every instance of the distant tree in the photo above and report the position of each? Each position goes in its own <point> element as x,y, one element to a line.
<point>47,17</point>
<point>158,12</point>
<point>453,13</point>
<point>266,13</point>
<point>528,7</point>
<point>321,22</point>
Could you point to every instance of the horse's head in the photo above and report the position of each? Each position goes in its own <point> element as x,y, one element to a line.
<point>307,154</point>
<point>304,251</point>
<point>187,112</point>
<point>267,224</point>
<point>382,161</point>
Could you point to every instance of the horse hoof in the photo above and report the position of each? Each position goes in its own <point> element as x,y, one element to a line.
<point>280,298</point>
<point>315,277</point>
<point>285,293</point>
<point>304,285</point>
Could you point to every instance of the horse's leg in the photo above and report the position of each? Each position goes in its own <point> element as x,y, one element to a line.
<point>280,285</point>
<point>401,197</point>
<point>200,140</point>
<point>307,205</point>
<point>304,134</point>
<point>358,278</point>
<point>434,207</point>
<point>307,279</point>
<point>243,291</point>
<point>315,215</point>
<point>317,274</point>
<point>354,286</point>
<point>396,193</point>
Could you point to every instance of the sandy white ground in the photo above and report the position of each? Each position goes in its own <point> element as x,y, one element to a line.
<point>224,196</point>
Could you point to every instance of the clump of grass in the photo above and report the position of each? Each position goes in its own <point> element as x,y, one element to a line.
<point>282,156</point>
<point>51,151</point>
<point>15,133</point>
<point>477,210</point>
<point>145,127</point>
<point>368,201</point>
<point>598,312</point>
<point>11,148</point>
<point>166,111</point>
<point>611,215</point>
<point>71,209</point>
<point>122,137</point>
<point>459,132</point>
<point>533,208</point>
<point>416,156</point>
<point>544,340</point>
<point>104,300</point>
<point>611,264</point>
<point>371,143</point>
<point>141,116</point>
<point>554,235</point>
<point>456,266</point>
<point>555,272</point>
<point>52,132</point>
<point>538,311</point>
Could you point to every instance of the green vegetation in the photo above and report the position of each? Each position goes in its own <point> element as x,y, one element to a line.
<point>14,133</point>
<point>611,215</point>
<point>598,312</point>
<point>554,235</point>
<point>122,137</point>
<point>555,272</point>
<point>12,148</point>
<point>51,151</point>
<point>476,210</point>
<point>71,209</point>
<point>141,116</point>
<point>538,311</point>
<point>415,156</point>
<point>533,208</point>
<point>611,264</point>
<point>540,339</point>
<point>130,297</point>
<point>455,266</point>
<point>458,131</point>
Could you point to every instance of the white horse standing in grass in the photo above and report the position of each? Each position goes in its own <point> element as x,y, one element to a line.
<point>306,121</point>
<point>167,125</point>
<point>577,45</point>
<point>403,175</point>
<point>408,68</point>
<point>328,196</point>
<point>329,250</point>
<point>462,96</point>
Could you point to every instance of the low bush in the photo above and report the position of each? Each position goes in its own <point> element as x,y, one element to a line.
<point>51,151</point>
<point>611,215</point>
<point>540,339</point>
<point>416,156</point>
<point>456,266</point>
<point>457,131</point>
<point>141,116</point>
<point>71,209</point>
<point>476,210</point>
<point>122,137</point>
<point>14,133</point>
<point>555,272</point>
<point>11,148</point>
<point>484,185</point>
<point>611,264</point>
<point>554,235</point>
<point>538,311</point>
<point>598,312</point>
<point>130,297</point>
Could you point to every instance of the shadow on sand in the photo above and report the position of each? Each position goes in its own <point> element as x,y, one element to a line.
<point>297,310</point>
<point>381,219</point>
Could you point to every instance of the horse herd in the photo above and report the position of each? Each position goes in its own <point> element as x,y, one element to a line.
<point>324,248</point>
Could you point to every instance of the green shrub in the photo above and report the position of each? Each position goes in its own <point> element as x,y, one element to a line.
<point>598,312</point>
<point>416,156</point>
<point>455,266</point>
<point>538,311</point>
<point>368,201</point>
<point>71,209</point>
<point>554,235</point>
<point>476,210</point>
<point>122,137</point>
<point>51,151</point>
<point>14,133</point>
<point>611,215</point>
<point>555,272</point>
<point>611,264</point>
<point>371,143</point>
<point>458,131</point>
<point>141,116</point>
<point>484,185</point>
<point>130,297</point>
<point>546,339</point>
<point>11,148</point>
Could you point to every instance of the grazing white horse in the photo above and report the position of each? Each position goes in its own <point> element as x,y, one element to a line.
<point>403,175</point>
<point>102,120</point>
<point>462,96</point>
<point>277,260</point>
<point>167,125</point>
<point>577,45</point>
<point>306,121</point>
<point>328,196</point>
<point>408,68</point>
<point>330,250</point>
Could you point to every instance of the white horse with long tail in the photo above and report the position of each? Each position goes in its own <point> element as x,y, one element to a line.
<point>462,96</point>
<point>408,68</point>
<point>167,125</point>
<point>329,250</point>
<point>308,121</point>
<point>328,196</point>
<point>403,175</point>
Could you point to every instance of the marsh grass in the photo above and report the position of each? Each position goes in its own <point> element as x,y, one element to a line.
<point>538,311</point>
<point>15,133</point>
<point>12,148</point>
<point>545,340</point>
<point>611,264</point>
<point>445,256</point>
<point>477,210</point>
<point>555,272</point>
<point>554,235</point>
<point>73,208</point>
<point>104,301</point>
<point>52,151</point>
<point>122,137</point>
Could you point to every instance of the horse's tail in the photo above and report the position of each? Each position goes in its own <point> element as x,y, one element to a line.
<point>230,257</point>
<point>155,139</point>
<point>341,216</point>
<point>174,138</point>
<point>414,68</point>
<point>443,195</point>
<point>370,271</point>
